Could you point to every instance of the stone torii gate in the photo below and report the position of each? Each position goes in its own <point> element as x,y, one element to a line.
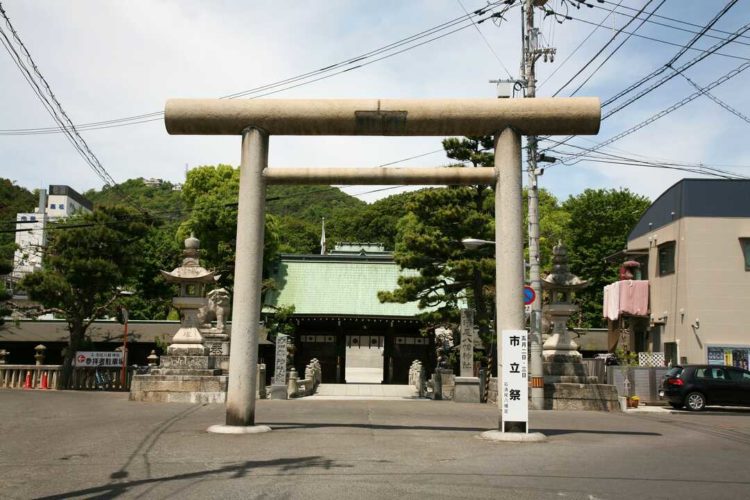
<point>256,120</point>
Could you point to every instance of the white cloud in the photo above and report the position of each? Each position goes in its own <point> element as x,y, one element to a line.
<point>107,60</point>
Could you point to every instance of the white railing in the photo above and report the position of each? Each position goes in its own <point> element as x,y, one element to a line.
<point>30,376</point>
<point>50,377</point>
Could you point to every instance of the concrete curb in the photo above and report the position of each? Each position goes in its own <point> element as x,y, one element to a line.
<point>238,429</point>
<point>513,437</point>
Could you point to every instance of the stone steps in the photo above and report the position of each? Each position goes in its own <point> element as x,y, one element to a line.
<point>365,391</point>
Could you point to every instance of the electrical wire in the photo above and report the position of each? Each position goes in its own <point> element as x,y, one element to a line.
<point>489,46</point>
<point>602,49</point>
<point>662,113</point>
<point>668,65</point>
<point>581,44</point>
<point>614,51</point>
<point>305,78</point>
<point>677,28</point>
<point>716,99</point>
<point>687,23</point>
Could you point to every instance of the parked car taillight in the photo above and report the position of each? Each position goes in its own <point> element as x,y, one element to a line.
<point>675,381</point>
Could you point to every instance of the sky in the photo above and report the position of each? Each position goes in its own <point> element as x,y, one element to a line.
<point>106,60</point>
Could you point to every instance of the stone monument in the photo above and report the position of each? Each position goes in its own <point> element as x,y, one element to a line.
<point>567,384</point>
<point>278,385</point>
<point>187,372</point>
<point>467,385</point>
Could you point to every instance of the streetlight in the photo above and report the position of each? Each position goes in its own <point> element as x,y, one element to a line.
<point>474,243</point>
<point>124,369</point>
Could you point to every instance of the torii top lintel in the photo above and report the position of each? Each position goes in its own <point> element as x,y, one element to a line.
<point>384,117</point>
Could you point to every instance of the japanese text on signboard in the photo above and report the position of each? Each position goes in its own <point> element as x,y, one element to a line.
<point>98,358</point>
<point>515,382</point>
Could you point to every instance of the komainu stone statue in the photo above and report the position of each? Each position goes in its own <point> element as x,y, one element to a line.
<point>217,308</point>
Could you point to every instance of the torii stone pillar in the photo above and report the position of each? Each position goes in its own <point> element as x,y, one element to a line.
<point>256,120</point>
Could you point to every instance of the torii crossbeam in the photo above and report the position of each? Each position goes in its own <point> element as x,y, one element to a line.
<point>256,120</point>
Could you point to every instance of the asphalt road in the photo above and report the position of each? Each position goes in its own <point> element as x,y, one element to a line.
<point>99,445</point>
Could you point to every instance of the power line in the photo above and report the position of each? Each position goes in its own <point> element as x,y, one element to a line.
<point>48,99</point>
<point>677,28</point>
<point>459,23</point>
<point>664,112</point>
<point>680,21</point>
<point>602,49</point>
<point>485,39</point>
<point>658,40</point>
<point>663,80</point>
<point>674,59</point>
<point>581,44</point>
<point>609,56</point>
<point>716,99</point>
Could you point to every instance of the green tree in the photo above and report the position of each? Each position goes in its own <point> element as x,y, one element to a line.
<point>15,199</point>
<point>429,238</point>
<point>87,259</point>
<point>600,221</point>
<point>211,195</point>
<point>376,222</point>
<point>553,223</point>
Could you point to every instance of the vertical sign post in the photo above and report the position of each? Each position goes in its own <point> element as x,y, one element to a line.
<point>515,381</point>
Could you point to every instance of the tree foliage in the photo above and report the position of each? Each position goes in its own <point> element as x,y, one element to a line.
<point>87,259</point>
<point>600,221</point>
<point>429,242</point>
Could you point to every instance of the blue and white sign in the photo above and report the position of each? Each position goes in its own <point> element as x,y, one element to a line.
<point>514,393</point>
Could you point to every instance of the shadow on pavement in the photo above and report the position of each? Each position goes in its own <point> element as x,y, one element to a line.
<point>239,470</point>
<point>559,432</point>
<point>321,425</point>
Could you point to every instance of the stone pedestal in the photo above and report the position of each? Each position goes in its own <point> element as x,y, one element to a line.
<point>568,386</point>
<point>181,379</point>
<point>279,391</point>
<point>467,390</point>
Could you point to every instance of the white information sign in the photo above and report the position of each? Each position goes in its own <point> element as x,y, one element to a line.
<point>98,358</point>
<point>515,381</point>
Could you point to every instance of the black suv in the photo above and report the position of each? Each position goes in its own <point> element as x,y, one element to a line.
<point>696,386</point>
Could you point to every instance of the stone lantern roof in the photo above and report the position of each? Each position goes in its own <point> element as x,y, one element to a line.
<point>561,278</point>
<point>190,271</point>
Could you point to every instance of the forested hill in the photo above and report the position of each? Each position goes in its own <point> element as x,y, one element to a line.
<point>13,199</point>
<point>300,209</point>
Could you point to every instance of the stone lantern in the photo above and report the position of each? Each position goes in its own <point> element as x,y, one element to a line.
<point>39,356</point>
<point>561,284</point>
<point>192,279</point>
<point>567,383</point>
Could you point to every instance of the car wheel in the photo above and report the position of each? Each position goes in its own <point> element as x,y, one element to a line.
<point>676,406</point>
<point>695,401</point>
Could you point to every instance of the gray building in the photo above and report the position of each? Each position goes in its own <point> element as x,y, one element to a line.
<point>693,244</point>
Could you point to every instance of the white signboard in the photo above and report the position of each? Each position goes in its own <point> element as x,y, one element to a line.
<point>106,359</point>
<point>515,381</point>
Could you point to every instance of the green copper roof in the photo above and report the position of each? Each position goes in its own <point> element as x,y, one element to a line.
<point>334,285</point>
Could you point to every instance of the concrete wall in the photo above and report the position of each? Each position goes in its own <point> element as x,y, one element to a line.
<point>710,284</point>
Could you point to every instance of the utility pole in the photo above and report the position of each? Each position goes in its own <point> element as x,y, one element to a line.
<point>531,52</point>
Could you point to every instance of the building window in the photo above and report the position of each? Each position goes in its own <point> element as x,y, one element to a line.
<point>666,258</point>
<point>745,243</point>
<point>52,206</point>
<point>61,206</point>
